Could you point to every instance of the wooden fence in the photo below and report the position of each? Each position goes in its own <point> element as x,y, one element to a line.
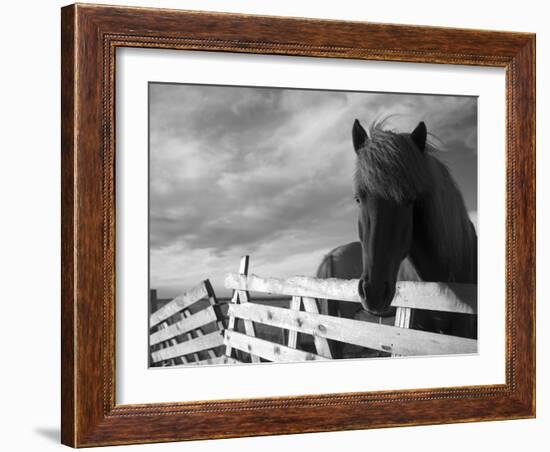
<point>396,340</point>
<point>193,329</point>
<point>188,330</point>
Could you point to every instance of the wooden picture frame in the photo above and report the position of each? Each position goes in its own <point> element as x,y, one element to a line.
<point>90,36</point>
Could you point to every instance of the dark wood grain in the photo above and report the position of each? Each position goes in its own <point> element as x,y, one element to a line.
<point>90,36</point>
<point>67,225</point>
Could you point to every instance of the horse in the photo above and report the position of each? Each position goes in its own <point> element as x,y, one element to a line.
<point>413,225</point>
<point>345,262</point>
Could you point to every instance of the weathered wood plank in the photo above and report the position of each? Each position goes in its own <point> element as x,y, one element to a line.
<point>243,265</point>
<point>231,322</point>
<point>403,319</point>
<point>248,325</point>
<point>242,297</point>
<point>219,360</point>
<point>448,297</point>
<point>179,303</point>
<point>265,349</point>
<point>386,338</point>
<point>460,298</point>
<point>192,322</point>
<point>213,300</point>
<point>321,343</point>
<point>196,333</point>
<point>190,335</point>
<point>211,354</point>
<point>206,342</point>
<point>171,362</point>
<point>295,304</point>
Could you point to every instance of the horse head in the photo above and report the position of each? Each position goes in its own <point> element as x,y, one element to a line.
<point>390,176</point>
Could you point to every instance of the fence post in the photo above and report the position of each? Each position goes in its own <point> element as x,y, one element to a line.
<point>231,325</point>
<point>215,305</point>
<point>295,304</point>
<point>403,319</point>
<point>321,343</point>
<point>241,296</point>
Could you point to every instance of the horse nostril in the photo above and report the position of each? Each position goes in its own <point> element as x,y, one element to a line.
<point>362,293</point>
<point>361,289</point>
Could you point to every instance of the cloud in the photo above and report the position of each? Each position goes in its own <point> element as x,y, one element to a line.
<point>268,172</point>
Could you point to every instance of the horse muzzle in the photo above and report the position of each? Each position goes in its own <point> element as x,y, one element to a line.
<point>376,302</point>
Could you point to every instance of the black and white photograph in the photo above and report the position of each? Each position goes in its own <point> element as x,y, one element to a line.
<point>289,225</point>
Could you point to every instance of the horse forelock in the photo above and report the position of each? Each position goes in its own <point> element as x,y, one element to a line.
<point>389,165</point>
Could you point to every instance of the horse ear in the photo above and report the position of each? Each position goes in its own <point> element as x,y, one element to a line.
<point>419,135</point>
<point>358,135</point>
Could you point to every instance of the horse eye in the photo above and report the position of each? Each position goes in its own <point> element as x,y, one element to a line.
<point>357,199</point>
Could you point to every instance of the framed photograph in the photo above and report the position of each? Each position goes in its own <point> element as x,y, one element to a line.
<point>281,225</point>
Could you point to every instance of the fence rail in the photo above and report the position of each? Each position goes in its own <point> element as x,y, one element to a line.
<point>184,325</point>
<point>182,334</point>
<point>458,298</point>
<point>179,304</point>
<point>385,338</point>
<point>179,330</point>
<point>201,343</point>
<point>396,340</point>
<point>267,350</point>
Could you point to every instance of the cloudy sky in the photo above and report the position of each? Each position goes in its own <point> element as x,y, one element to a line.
<point>268,172</point>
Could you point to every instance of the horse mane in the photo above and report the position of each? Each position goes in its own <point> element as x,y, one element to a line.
<point>455,235</point>
<point>390,165</point>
